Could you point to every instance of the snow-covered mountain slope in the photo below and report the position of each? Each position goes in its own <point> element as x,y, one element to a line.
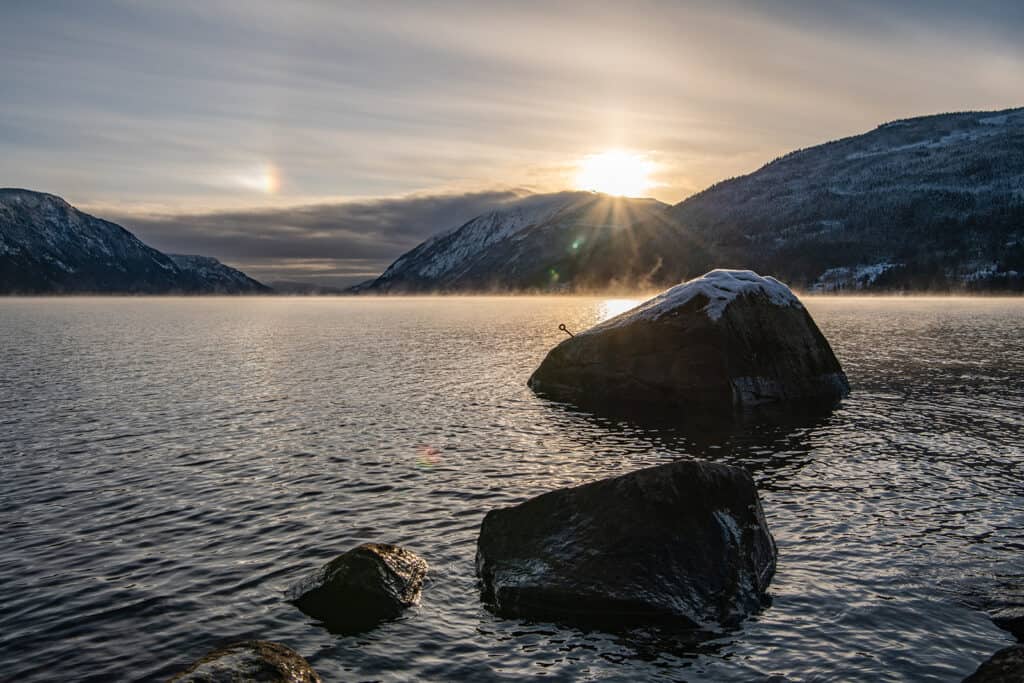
<point>935,202</point>
<point>48,246</point>
<point>562,241</point>
<point>212,276</point>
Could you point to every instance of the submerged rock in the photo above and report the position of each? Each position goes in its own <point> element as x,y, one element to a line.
<point>1010,618</point>
<point>1005,666</point>
<point>359,589</point>
<point>684,543</point>
<point>728,338</point>
<point>251,660</point>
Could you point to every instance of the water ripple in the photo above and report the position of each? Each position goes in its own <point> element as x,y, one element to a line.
<point>171,466</point>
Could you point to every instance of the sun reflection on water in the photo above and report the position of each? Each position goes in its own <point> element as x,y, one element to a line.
<point>609,308</point>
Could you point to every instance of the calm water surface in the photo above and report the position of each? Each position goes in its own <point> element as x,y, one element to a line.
<point>170,466</point>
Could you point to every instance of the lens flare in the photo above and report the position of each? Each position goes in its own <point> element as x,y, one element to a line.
<point>428,456</point>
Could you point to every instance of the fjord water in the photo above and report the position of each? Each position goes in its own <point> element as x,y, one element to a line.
<point>170,466</point>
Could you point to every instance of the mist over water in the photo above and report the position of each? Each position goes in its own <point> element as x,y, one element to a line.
<point>171,466</point>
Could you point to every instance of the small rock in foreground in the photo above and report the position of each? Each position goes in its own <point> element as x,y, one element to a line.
<point>251,660</point>
<point>684,543</point>
<point>1005,666</point>
<point>730,338</point>
<point>357,590</point>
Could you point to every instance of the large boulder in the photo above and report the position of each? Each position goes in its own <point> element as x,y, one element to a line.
<point>684,543</point>
<point>1005,666</point>
<point>251,660</point>
<point>359,589</point>
<point>728,338</point>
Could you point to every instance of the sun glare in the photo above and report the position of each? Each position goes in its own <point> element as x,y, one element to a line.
<point>615,172</point>
<point>609,308</point>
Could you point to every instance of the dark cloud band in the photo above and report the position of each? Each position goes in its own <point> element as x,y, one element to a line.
<point>327,243</point>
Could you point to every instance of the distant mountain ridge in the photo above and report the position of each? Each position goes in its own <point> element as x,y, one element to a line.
<point>540,242</point>
<point>47,246</point>
<point>928,203</point>
<point>215,277</point>
<point>935,202</point>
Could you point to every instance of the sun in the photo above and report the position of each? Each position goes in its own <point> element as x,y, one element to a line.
<point>615,172</point>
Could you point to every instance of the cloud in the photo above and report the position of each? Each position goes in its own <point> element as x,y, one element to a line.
<point>162,103</point>
<point>333,244</point>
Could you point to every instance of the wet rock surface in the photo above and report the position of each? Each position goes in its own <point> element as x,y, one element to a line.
<point>684,544</point>
<point>252,660</point>
<point>1010,619</point>
<point>726,339</point>
<point>357,590</point>
<point>1005,666</point>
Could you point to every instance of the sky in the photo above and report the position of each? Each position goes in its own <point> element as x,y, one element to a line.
<point>320,140</point>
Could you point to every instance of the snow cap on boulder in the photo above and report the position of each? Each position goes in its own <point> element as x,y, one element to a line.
<point>727,338</point>
<point>719,287</point>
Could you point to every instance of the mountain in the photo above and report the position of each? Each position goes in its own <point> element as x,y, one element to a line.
<point>567,240</point>
<point>935,202</point>
<point>213,277</point>
<point>930,203</point>
<point>48,246</point>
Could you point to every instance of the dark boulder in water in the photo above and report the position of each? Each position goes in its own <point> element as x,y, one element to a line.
<point>684,543</point>
<point>1005,666</point>
<point>1010,618</point>
<point>728,338</point>
<point>359,589</point>
<point>251,660</point>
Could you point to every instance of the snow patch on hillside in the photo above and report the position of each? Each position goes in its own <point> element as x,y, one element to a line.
<point>855,277</point>
<point>212,272</point>
<point>488,229</point>
<point>984,130</point>
<point>994,120</point>
<point>988,271</point>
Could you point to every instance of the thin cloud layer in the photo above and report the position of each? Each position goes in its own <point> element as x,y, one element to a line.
<point>186,105</point>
